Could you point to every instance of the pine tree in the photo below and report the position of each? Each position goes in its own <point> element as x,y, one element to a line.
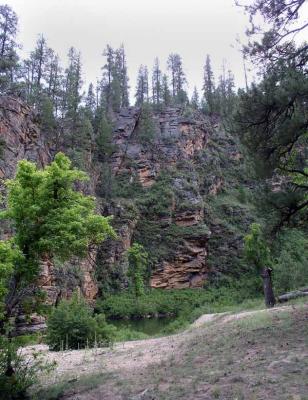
<point>104,137</point>
<point>156,84</point>
<point>166,95</point>
<point>178,79</point>
<point>108,69</point>
<point>271,116</point>
<point>8,47</point>
<point>195,103</point>
<point>121,72</point>
<point>146,125</point>
<point>142,88</point>
<point>90,102</point>
<point>208,86</point>
<point>38,65</point>
<point>114,84</point>
<point>72,95</point>
<point>84,139</point>
<point>224,93</point>
<point>54,77</point>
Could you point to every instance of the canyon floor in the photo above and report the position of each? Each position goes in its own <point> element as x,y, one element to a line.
<point>250,355</point>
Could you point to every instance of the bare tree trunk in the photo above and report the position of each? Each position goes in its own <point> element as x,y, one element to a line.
<point>268,287</point>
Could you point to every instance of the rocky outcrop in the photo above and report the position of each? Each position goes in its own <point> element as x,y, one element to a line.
<point>60,282</point>
<point>20,136</point>
<point>187,270</point>
<point>176,138</point>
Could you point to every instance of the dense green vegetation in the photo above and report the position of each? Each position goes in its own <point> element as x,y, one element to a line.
<point>158,302</point>
<point>72,326</point>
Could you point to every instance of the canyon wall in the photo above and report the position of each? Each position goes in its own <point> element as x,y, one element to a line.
<point>174,189</point>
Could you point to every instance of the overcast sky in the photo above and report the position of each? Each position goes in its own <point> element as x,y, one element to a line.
<point>148,28</point>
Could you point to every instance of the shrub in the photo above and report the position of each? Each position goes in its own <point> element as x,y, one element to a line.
<point>14,384</point>
<point>72,326</point>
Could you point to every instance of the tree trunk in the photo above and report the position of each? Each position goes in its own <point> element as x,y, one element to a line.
<point>268,287</point>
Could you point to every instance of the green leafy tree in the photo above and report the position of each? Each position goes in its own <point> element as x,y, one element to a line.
<point>50,218</point>
<point>14,386</point>
<point>258,253</point>
<point>137,258</point>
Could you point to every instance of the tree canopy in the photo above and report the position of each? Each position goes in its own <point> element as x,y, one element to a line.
<point>49,217</point>
<point>272,115</point>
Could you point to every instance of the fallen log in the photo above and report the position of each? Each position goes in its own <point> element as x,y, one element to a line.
<point>292,295</point>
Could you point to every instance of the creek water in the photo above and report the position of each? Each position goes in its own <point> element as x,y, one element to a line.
<point>149,326</point>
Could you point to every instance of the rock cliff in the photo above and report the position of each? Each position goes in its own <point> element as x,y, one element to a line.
<point>138,167</point>
<point>175,189</point>
<point>182,193</point>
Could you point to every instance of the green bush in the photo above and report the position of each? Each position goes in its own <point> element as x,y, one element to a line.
<point>72,326</point>
<point>23,374</point>
<point>181,302</point>
<point>290,266</point>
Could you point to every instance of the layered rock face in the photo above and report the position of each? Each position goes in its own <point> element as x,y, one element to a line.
<point>176,138</point>
<point>20,136</point>
<point>171,150</point>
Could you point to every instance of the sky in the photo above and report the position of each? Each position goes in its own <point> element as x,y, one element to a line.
<point>147,28</point>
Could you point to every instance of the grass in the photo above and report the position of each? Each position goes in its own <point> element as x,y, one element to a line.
<point>30,339</point>
<point>70,387</point>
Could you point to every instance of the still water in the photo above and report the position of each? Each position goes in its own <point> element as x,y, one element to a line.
<point>149,326</point>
